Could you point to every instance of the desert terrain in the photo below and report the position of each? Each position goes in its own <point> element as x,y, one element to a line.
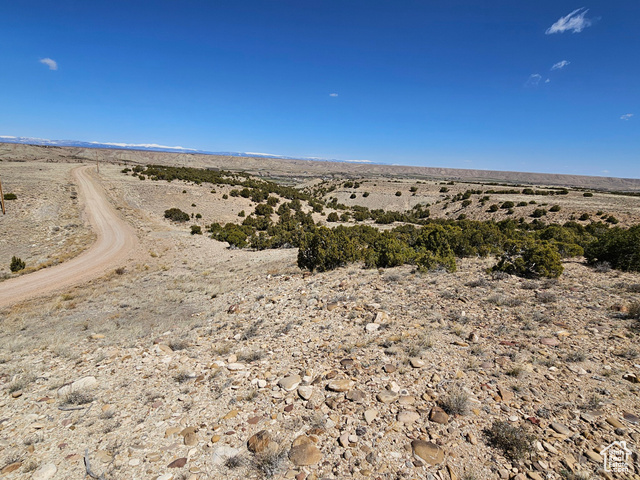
<point>180,358</point>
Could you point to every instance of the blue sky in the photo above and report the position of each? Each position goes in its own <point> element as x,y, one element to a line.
<point>452,84</point>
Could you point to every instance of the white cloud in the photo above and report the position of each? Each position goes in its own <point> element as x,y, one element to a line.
<point>626,116</point>
<point>533,80</point>
<point>333,94</point>
<point>52,64</point>
<point>547,80</point>
<point>574,22</point>
<point>142,145</point>
<point>560,65</point>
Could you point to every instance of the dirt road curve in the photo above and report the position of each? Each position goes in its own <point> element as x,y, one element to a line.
<point>115,240</point>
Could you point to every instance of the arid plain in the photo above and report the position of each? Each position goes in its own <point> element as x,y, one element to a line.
<point>184,359</point>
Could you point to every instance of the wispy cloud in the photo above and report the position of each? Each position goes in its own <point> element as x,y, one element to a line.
<point>574,22</point>
<point>626,116</point>
<point>560,65</point>
<point>333,94</point>
<point>52,64</point>
<point>548,80</point>
<point>533,80</point>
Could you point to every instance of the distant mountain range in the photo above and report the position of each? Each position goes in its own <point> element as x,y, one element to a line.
<point>152,147</point>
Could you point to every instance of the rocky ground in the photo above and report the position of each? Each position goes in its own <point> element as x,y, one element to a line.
<point>193,361</point>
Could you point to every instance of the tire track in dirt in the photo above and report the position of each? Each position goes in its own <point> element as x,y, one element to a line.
<point>115,239</point>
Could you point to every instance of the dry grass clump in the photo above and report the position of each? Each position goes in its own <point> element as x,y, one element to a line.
<point>269,463</point>
<point>234,462</point>
<point>79,397</point>
<point>251,356</point>
<point>575,357</point>
<point>515,442</point>
<point>178,344</point>
<point>480,282</point>
<point>504,301</point>
<point>21,383</point>
<point>634,310</point>
<point>456,402</point>
<point>546,297</point>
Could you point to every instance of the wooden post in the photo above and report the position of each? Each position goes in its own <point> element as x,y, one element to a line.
<point>2,199</point>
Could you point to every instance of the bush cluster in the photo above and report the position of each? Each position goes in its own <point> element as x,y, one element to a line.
<point>176,215</point>
<point>16,264</point>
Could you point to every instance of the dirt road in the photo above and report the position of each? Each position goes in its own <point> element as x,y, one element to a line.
<point>115,240</point>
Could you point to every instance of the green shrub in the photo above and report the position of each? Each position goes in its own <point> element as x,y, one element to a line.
<point>530,259</point>
<point>413,189</point>
<point>365,194</point>
<point>509,204</point>
<point>444,189</point>
<point>176,215</point>
<point>494,208</point>
<point>398,193</point>
<point>539,212</point>
<point>555,208</point>
<point>16,264</point>
<point>196,230</point>
<point>584,217</point>
<point>332,217</point>
<point>612,220</point>
<point>587,194</point>
<point>326,249</point>
<point>618,247</point>
<point>353,195</point>
<point>263,209</point>
<point>10,196</point>
<point>241,213</point>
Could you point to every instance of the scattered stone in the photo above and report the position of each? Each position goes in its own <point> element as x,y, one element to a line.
<point>341,385</point>
<point>550,341</point>
<point>81,384</point>
<point>561,429</point>
<point>417,362</point>
<point>178,463</point>
<point>10,468</point>
<point>370,415</point>
<point>630,377</point>
<point>190,439</point>
<point>304,452</point>
<point>614,422</point>
<point>290,383</point>
<point>408,416</point>
<point>235,366</point>
<point>387,396</point>
<point>45,472</point>
<point>305,392</point>
<point>427,451</point>
<point>371,327</point>
<point>438,415</point>
<point>259,442</point>
<point>631,418</point>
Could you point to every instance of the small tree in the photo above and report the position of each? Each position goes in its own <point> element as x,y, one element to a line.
<point>16,264</point>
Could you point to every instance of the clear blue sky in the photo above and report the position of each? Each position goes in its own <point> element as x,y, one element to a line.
<point>464,84</point>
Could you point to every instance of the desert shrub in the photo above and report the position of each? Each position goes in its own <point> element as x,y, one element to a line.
<point>555,208</point>
<point>16,264</point>
<point>263,209</point>
<point>508,204</point>
<point>530,260</point>
<point>333,217</point>
<point>413,189</point>
<point>494,207</point>
<point>365,194</point>
<point>398,193</point>
<point>612,220</point>
<point>618,247</point>
<point>10,196</point>
<point>444,189</point>
<point>539,212</point>
<point>634,310</point>
<point>587,194</point>
<point>234,235</point>
<point>196,230</point>
<point>353,195</point>
<point>455,402</point>
<point>326,249</point>
<point>584,217</point>
<point>515,442</point>
<point>176,215</point>
<point>389,251</point>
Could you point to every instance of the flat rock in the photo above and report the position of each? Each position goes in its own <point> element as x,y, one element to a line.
<point>235,366</point>
<point>408,416</point>
<point>340,385</point>
<point>45,472</point>
<point>561,429</point>
<point>370,415</point>
<point>386,396</point>
<point>80,384</point>
<point>356,395</point>
<point>550,341</point>
<point>223,453</point>
<point>371,327</point>
<point>178,463</point>
<point>305,454</point>
<point>614,422</point>
<point>506,394</point>
<point>427,451</point>
<point>417,362</point>
<point>631,418</point>
<point>290,383</point>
